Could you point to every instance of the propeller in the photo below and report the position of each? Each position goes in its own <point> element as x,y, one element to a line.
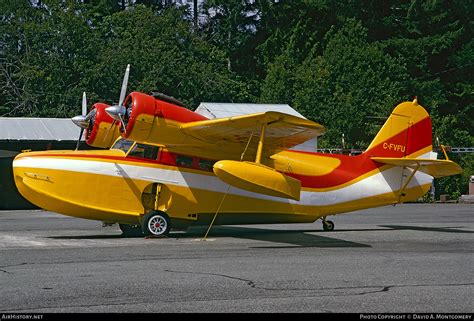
<point>83,120</point>
<point>117,112</point>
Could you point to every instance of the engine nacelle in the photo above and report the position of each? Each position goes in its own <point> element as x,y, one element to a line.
<point>154,120</point>
<point>102,131</point>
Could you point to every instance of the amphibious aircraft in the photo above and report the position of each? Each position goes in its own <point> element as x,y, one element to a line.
<point>169,167</point>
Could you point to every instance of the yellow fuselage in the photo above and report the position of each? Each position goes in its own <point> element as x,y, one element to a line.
<point>113,187</point>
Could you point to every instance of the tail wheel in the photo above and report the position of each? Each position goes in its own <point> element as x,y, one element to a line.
<point>156,223</point>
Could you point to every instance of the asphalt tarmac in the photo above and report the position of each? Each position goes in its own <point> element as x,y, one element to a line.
<point>409,258</point>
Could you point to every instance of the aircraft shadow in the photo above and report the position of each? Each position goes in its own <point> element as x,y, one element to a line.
<point>294,238</point>
<point>388,228</point>
<point>87,237</point>
<point>430,229</point>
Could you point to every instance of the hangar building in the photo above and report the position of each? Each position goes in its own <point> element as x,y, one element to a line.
<point>18,134</point>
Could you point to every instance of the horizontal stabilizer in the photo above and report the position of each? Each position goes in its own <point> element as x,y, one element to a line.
<point>433,167</point>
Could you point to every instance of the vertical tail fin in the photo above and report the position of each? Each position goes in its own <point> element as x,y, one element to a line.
<point>406,133</point>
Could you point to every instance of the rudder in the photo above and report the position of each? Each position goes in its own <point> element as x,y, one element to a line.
<point>406,133</point>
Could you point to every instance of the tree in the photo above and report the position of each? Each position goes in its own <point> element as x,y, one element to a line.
<point>55,51</point>
<point>41,47</point>
<point>165,55</point>
<point>230,25</point>
<point>351,81</point>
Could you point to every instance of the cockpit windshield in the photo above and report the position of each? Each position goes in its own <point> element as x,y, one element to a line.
<point>122,144</point>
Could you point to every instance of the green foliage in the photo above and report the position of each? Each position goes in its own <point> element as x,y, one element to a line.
<point>458,185</point>
<point>278,85</point>
<point>57,51</point>
<point>351,81</point>
<point>171,60</point>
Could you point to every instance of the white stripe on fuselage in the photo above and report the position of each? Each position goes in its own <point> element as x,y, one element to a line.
<point>379,183</point>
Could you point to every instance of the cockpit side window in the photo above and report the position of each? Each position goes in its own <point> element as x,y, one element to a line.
<point>144,151</point>
<point>123,145</point>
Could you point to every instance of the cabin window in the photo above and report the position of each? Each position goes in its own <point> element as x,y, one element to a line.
<point>144,151</point>
<point>206,164</point>
<point>123,145</point>
<point>184,161</point>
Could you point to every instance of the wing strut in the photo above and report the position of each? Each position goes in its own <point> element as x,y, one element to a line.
<point>258,158</point>
<point>444,152</point>
<point>400,194</point>
<point>246,147</point>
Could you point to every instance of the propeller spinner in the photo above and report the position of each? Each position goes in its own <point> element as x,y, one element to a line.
<point>83,121</point>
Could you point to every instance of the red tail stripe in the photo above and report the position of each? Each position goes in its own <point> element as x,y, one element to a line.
<point>405,143</point>
<point>352,167</point>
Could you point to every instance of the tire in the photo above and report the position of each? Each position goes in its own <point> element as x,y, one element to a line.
<point>129,230</point>
<point>328,226</point>
<point>156,223</point>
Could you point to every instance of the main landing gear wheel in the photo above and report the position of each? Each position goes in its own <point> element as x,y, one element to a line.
<point>156,224</point>
<point>129,230</point>
<point>328,225</point>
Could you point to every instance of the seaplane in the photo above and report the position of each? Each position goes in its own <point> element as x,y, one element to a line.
<point>161,166</point>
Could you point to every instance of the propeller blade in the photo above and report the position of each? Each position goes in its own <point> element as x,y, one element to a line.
<point>84,104</point>
<point>82,120</point>
<point>123,124</point>
<point>123,92</point>
<point>90,114</point>
<point>79,140</point>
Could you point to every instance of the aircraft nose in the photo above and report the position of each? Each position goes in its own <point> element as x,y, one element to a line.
<point>18,175</point>
<point>30,178</point>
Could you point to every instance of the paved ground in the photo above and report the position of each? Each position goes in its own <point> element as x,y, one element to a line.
<point>408,258</point>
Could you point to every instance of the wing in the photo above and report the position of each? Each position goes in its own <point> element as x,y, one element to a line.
<point>433,167</point>
<point>228,138</point>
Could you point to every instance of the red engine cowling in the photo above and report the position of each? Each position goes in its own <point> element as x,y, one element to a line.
<point>103,131</point>
<point>150,119</point>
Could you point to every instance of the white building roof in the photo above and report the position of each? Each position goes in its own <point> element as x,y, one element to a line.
<point>221,110</point>
<point>21,128</point>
